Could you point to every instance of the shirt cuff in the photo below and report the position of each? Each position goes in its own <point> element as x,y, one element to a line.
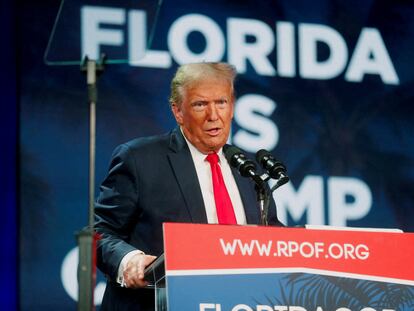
<point>122,265</point>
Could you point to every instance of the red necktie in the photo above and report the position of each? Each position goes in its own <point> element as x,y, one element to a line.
<point>225,212</point>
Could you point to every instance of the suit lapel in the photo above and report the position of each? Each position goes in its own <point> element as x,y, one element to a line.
<point>185,173</point>
<point>248,196</point>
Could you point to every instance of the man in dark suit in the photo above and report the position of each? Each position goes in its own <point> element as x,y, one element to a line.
<point>167,179</point>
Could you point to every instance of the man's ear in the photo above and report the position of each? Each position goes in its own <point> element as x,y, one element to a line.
<point>178,114</point>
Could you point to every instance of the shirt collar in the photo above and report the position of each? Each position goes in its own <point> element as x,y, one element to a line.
<point>196,154</point>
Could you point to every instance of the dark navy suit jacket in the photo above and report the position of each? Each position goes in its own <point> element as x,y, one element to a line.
<point>150,181</point>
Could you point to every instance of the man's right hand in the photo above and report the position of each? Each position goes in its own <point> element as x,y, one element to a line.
<point>134,270</point>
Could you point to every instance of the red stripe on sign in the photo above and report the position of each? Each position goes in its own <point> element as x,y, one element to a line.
<point>200,247</point>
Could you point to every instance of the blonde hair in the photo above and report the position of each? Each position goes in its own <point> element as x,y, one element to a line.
<point>190,74</point>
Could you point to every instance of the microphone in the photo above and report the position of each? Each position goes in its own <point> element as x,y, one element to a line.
<point>237,159</point>
<point>274,167</point>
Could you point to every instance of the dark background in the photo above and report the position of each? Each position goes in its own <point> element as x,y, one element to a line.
<point>327,127</point>
<point>8,181</point>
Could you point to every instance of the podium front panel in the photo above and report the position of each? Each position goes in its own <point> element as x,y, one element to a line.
<point>252,268</point>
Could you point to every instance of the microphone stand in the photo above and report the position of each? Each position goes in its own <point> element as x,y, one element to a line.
<point>283,179</point>
<point>87,237</point>
<point>263,202</point>
<point>263,193</point>
<point>263,196</point>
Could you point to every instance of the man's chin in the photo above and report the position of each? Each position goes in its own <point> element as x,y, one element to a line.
<point>216,144</point>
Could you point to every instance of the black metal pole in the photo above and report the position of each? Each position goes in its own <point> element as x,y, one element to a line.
<point>86,237</point>
<point>85,270</point>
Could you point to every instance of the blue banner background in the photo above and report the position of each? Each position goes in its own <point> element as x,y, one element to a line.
<point>326,127</point>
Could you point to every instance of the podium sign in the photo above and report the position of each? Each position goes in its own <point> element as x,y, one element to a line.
<point>252,268</point>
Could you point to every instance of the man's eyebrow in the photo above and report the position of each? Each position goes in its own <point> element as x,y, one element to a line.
<point>221,99</point>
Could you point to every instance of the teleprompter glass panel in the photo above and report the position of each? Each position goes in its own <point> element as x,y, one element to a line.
<point>91,28</point>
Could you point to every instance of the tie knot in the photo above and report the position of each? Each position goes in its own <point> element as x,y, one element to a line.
<point>212,158</point>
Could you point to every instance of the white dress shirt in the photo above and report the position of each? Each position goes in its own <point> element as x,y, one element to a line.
<point>206,184</point>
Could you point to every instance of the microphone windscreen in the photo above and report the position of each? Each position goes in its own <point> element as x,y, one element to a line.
<point>261,154</point>
<point>229,152</point>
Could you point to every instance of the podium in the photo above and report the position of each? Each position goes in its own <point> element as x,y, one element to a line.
<point>253,268</point>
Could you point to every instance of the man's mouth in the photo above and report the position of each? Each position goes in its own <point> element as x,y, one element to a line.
<point>214,131</point>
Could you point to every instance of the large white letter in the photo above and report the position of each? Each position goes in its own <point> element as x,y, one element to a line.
<point>206,306</point>
<point>267,135</point>
<point>308,197</point>
<point>241,307</point>
<point>68,274</point>
<point>93,36</point>
<point>371,56</point>
<point>182,27</point>
<point>339,188</point>
<point>239,51</point>
<point>138,53</point>
<point>285,45</point>
<point>309,66</point>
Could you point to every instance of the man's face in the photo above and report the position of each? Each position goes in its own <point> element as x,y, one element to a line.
<point>205,114</point>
